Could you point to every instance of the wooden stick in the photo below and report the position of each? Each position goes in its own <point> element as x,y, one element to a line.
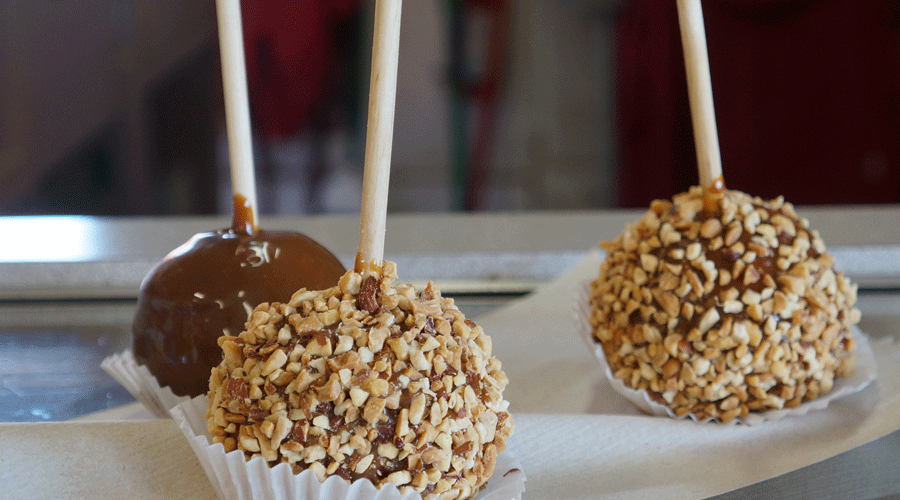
<point>237,114</point>
<point>379,138</point>
<point>703,116</point>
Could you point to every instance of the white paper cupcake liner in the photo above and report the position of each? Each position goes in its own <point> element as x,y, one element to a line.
<point>235,478</point>
<point>138,380</point>
<point>864,374</point>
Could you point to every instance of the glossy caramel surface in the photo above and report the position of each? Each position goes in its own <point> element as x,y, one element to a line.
<point>206,287</point>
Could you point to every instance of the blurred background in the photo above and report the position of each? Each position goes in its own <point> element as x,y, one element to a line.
<point>114,107</point>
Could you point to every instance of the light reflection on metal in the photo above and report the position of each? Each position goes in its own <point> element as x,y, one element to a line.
<point>48,239</point>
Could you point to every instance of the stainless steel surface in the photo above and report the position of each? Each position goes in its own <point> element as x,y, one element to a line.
<point>50,370</point>
<point>77,257</point>
<point>868,472</point>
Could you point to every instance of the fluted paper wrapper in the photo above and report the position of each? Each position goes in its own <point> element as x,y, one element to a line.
<point>235,478</point>
<point>864,374</point>
<point>138,380</point>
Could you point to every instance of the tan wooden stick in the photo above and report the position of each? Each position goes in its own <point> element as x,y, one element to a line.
<point>703,116</point>
<point>379,138</point>
<point>237,111</point>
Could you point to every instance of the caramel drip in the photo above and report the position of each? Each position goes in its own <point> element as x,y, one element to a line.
<point>713,194</point>
<point>362,266</point>
<point>242,221</point>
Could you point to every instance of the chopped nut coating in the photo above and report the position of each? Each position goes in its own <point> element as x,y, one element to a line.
<point>365,380</point>
<point>744,310</point>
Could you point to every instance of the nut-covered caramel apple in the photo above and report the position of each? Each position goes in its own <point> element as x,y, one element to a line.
<point>365,380</point>
<point>725,308</point>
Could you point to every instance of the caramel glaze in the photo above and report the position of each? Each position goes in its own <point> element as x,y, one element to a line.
<point>362,266</point>
<point>243,219</point>
<point>712,195</point>
<point>206,286</point>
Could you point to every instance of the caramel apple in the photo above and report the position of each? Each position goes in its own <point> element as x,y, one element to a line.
<point>720,312</point>
<point>365,380</point>
<point>208,286</point>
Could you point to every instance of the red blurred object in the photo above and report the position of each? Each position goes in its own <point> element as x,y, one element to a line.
<point>481,91</point>
<point>807,98</point>
<point>485,93</point>
<point>291,57</point>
